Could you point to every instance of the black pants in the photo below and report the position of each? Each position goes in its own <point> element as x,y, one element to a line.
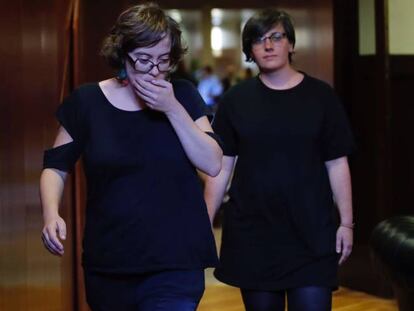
<point>176,290</point>
<point>309,298</point>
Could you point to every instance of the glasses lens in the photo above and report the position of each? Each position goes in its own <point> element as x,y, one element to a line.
<point>277,36</point>
<point>145,65</point>
<point>274,37</point>
<point>164,65</point>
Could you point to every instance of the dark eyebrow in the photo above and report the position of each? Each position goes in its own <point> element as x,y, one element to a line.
<point>149,55</point>
<point>275,32</point>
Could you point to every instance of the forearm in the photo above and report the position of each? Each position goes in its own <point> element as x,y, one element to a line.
<point>202,150</point>
<point>51,189</point>
<point>340,180</point>
<point>215,187</point>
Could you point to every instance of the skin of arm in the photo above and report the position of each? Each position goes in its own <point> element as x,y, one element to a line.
<point>52,183</point>
<point>215,187</point>
<point>340,180</point>
<point>202,150</point>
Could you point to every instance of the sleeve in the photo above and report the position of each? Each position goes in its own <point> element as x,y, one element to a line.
<point>70,116</point>
<point>337,138</point>
<point>190,98</point>
<point>223,127</point>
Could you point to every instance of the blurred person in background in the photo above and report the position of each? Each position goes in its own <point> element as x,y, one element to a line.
<point>210,89</point>
<point>229,78</point>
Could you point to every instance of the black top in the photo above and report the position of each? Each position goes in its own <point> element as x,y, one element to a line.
<point>145,208</point>
<point>281,213</point>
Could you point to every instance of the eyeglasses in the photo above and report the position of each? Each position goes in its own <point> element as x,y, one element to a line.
<point>144,65</point>
<point>275,37</point>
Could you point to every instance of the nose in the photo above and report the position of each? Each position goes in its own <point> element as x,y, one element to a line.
<point>268,44</point>
<point>154,71</point>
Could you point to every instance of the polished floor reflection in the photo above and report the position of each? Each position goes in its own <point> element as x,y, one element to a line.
<point>220,297</point>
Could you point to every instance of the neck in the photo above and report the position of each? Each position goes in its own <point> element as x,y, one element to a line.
<point>122,97</point>
<point>279,79</point>
<point>132,100</point>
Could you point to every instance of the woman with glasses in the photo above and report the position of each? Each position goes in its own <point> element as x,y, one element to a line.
<point>288,137</point>
<point>147,237</point>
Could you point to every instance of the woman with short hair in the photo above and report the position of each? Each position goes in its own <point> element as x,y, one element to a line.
<point>291,138</point>
<point>142,138</point>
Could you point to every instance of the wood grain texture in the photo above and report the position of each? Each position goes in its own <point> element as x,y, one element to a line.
<point>226,298</point>
<point>32,73</point>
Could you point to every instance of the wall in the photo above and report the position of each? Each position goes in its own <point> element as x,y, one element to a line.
<point>32,70</point>
<point>376,88</point>
<point>313,19</point>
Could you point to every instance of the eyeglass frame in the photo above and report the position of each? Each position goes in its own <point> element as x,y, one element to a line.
<point>134,64</point>
<point>275,38</point>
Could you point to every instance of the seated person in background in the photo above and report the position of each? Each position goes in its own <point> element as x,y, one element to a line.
<point>210,89</point>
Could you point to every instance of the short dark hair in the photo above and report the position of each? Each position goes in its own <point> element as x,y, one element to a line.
<point>262,22</point>
<point>141,25</point>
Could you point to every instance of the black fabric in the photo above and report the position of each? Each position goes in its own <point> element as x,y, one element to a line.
<point>176,290</point>
<point>145,208</point>
<point>62,157</point>
<point>310,298</point>
<point>279,225</point>
<point>254,300</point>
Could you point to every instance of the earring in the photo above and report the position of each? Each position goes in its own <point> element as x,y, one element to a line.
<point>122,77</point>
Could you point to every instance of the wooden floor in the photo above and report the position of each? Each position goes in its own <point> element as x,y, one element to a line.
<point>226,298</point>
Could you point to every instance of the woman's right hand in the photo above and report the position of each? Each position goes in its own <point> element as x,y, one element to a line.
<point>53,232</point>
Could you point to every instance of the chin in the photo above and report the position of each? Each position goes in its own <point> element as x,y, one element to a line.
<point>269,69</point>
<point>272,67</point>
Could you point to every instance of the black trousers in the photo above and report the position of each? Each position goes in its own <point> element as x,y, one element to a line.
<point>175,290</point>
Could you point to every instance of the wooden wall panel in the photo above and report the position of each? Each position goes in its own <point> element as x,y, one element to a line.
<point>31,57</point>
<point>402,122</point>
<point>377,91</point>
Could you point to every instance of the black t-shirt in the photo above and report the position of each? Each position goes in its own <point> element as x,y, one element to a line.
<point>281,211</point>
<point>145,208</point>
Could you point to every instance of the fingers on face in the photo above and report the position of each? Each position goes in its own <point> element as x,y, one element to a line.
<point>161,83</point>
<point>149,86</point>
<point>145,94</point>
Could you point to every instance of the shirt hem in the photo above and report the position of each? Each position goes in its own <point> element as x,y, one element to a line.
<point>274,286</point>
<point>148,269</point>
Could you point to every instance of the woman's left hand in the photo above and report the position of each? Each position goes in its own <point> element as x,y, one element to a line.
<point>344,241</point>
<point>158,94</point>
